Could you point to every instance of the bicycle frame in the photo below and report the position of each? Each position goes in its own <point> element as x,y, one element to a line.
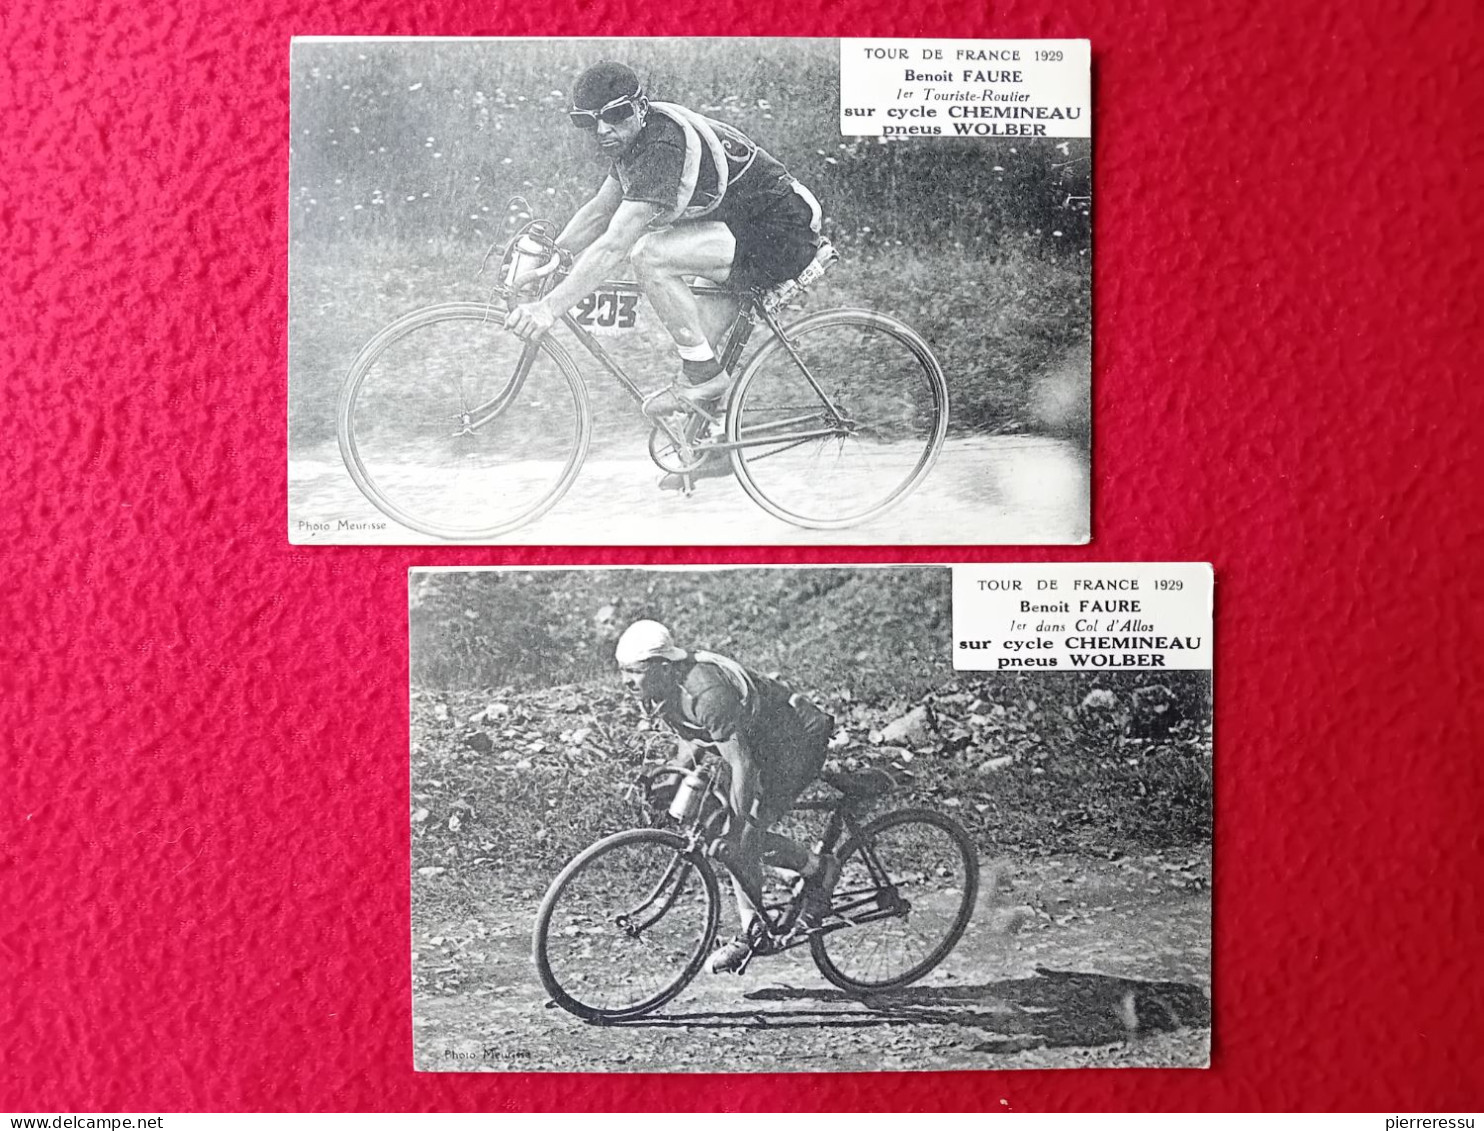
<point>831,421</point>
<point>782,917</point>
<point>842,820</point>
<point>735,338</point>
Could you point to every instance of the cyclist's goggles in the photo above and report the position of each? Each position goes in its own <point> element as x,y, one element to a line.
<point>619,110</point>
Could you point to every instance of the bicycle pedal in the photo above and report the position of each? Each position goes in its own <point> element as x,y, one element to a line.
<point>742,964</point>
<point>680,482</point>
<point>798,933</point>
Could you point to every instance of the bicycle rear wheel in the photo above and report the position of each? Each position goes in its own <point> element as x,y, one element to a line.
<point>455,428</point>
<point>851,431</point>
<point>626,925</point>
<point>908,883</point>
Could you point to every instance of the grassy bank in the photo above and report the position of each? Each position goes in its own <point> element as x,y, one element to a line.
<point>524,750</point>
<point>403,158</point>
<point>1004,329</point>
<point>406,141</point>
<point>1017,765</point>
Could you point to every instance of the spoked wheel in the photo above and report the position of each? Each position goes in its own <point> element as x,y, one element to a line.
<point>457,429</point>
<point>626,925</point>
<point>908,883</point>
<point>847,435</point>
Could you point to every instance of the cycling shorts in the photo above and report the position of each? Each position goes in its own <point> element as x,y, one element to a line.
<point>776,244</point>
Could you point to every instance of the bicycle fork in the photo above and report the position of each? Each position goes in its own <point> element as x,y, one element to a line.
<point>471,420</point>
<point>667,890</point>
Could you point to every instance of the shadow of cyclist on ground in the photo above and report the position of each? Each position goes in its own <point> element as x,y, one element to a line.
<point>1054,1009</point>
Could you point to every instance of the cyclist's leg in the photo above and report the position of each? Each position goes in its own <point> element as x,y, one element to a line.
<point>747,878</point>
<point>747,881</point>
<point>783,790</point>
<point>772,849</point>
<point>663,261</point>
<point>782,786</point>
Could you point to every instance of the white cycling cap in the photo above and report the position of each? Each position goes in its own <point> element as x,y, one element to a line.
<point>644,640</point>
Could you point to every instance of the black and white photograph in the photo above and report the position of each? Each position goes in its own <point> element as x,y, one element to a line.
<point>673,291</point>
<point>753,819</point>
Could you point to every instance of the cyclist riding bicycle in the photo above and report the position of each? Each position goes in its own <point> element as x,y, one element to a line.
<point>773,741</point>
<point>685,196</point>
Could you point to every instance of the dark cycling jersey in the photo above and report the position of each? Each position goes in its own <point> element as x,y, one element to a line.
<point>775,223</point>
<point>652,168</point>
<point>785,731</point>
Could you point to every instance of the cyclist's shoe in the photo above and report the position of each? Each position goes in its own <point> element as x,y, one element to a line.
<point>729,958</point>
<point>817,892</point>
<point>703,382</point>
<point>733,957</point>
<point>703,388</point>
<point>716,466</point>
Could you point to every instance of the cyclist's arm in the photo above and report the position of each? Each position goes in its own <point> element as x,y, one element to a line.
<point>591,220</point>
<point>603,257</point>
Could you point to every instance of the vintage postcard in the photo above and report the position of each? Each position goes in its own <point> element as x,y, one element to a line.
<point>811,818</point>
<point>689,291</point>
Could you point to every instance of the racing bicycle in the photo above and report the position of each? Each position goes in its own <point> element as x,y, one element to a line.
<point>630,921</point>
<point>457,429</point>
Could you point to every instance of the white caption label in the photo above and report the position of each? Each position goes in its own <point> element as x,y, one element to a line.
<point>1094,616</point>
<point>966,87</point>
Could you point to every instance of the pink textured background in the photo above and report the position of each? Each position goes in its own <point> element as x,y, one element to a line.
<point>203,864</point>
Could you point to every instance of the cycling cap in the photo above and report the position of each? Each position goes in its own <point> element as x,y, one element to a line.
<point>644,640</point>
<point>603,83</point>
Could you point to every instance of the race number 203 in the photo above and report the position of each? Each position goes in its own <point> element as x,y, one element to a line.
<point>607,311</point>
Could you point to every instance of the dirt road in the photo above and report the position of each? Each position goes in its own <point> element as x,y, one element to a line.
<point>1072,962</point>
<point>1004,490</point>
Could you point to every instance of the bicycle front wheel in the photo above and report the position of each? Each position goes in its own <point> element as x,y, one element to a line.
<point>455,428</point>
<point>842,425</point>
<point>907,887</point>
<point>626,925</point>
